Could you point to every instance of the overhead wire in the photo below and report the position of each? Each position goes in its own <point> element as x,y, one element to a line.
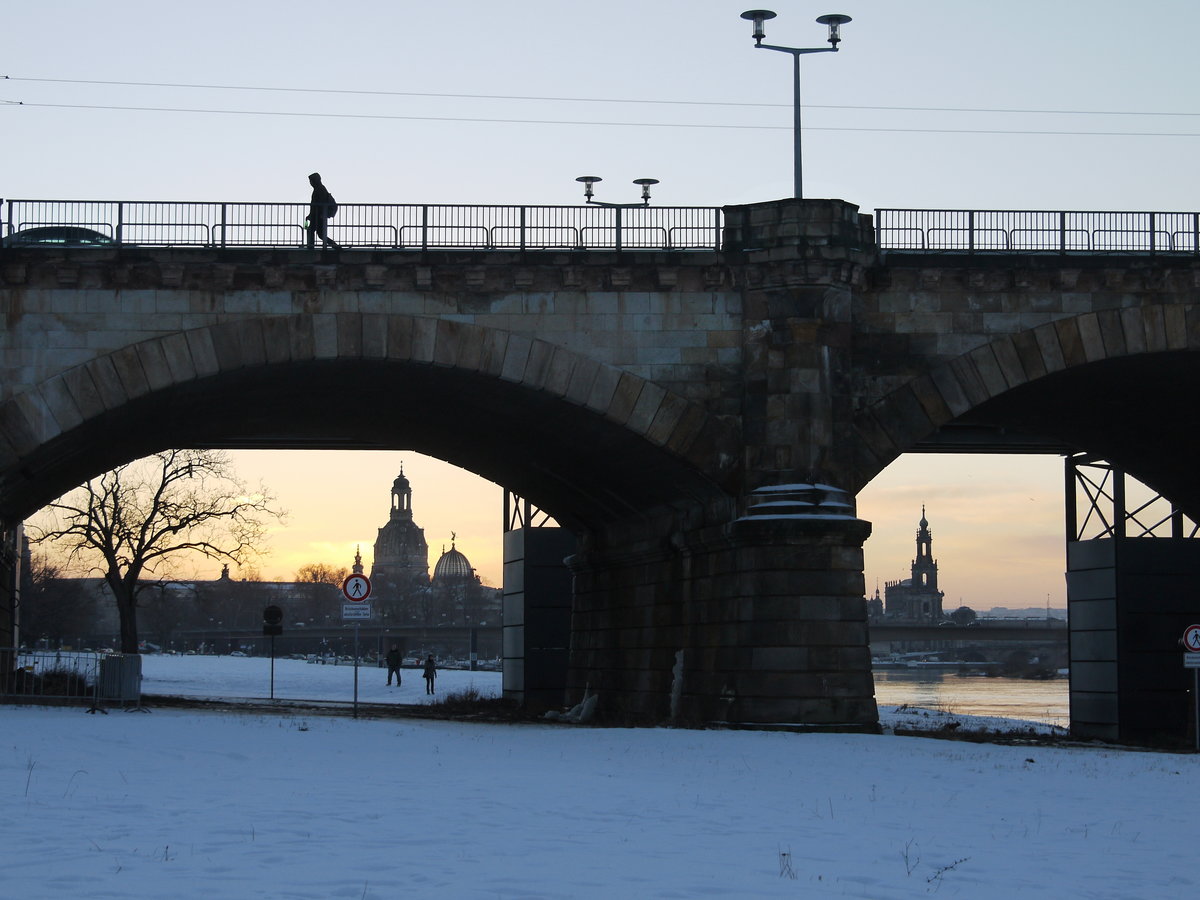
<point>572,122</point>
<point>630,100</point>
<point>716,125</point>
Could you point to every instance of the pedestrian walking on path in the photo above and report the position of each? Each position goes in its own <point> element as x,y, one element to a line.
<point>430,674</point>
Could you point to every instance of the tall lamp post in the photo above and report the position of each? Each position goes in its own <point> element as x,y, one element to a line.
<point>835,22</point>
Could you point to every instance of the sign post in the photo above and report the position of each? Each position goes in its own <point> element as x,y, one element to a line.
<point>272,625</point>
<point>356,588</point>
<point>1191,660</point>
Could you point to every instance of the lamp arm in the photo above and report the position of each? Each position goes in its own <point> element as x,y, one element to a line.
<point>796,51</point>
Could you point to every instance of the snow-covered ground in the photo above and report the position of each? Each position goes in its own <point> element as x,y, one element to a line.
<point>250,677</point>
<point>185,804</point>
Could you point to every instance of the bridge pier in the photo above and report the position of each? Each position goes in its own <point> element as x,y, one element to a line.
<point>758,622</point>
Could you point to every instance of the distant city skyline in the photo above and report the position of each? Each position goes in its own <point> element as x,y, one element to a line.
<point>997,521</point>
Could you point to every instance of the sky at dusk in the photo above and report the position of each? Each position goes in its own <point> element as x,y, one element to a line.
<point>997,522</point>
<point>1077,105</point>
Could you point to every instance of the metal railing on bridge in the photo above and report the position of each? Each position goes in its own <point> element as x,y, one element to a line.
<point>360,225</point>
<point>1015,231</point>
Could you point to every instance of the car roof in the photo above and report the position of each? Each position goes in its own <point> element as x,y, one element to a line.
<point>57,234</point>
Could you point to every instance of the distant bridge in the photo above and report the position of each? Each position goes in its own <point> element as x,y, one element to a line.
<point>1032,630</point>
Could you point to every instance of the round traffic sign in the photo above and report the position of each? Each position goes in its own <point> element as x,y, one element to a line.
<point>357,588</point>
<point>1191,638</point>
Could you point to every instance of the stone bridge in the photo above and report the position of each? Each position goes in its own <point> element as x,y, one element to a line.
<point>700,419</point>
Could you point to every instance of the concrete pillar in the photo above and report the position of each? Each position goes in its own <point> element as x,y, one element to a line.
<point>537,616</point>
<point>761,622</point>
<point>1129,601</point>
<point>11,547</point>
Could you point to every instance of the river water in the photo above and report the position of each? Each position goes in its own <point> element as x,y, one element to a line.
<point>976,695</point>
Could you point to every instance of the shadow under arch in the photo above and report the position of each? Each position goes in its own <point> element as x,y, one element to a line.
<point>590,444</point>
<point>1120,384</point>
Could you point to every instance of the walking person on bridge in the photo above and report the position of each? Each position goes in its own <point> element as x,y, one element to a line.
<point>320,208</point>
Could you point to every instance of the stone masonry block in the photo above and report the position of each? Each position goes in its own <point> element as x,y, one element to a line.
<point>1026,346</point>
<point>516,358</point>
<point>1090,337</point>
<point>128,365</point>
<point>84,392</point>
<point>989,371</point>
<point>492,352</point>
<point>1050,345</point>
<point>324,336</point>
<point>349,335</point>
<point>107,379</point>
<point>154,365</point>
<point>447,338</point>
<point>537,369</point>
<point>56,395</point>
<point>1175,326</point>
<point>604,389</point>
<point>1112,333</point>
<point>374,335</point>
<point>582,376</point>
<point>178,357</point>
<point>1133,329</point>
<point>646,408</point>
<point>968,376</point>
<point>1154,325</point>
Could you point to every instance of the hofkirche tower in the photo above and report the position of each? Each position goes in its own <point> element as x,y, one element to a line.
<point>917,598</point>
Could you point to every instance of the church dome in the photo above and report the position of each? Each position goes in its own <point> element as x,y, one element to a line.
<point>452,565</point>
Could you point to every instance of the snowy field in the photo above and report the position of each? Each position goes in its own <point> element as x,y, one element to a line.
<point>183,804</point>
<point>250,677</point>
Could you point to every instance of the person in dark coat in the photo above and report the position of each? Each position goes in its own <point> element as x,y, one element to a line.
<point>394,658</point>
<point>430,674</point>
<point>318,213</point>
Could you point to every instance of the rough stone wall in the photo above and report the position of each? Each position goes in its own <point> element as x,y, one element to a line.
<point>936,338</point>
<point>674,319</point>
<point>917,312</point>
<point>758,622</point>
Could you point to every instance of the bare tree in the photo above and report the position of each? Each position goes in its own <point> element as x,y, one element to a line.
<point>135,520</point>
<point>322,573</point>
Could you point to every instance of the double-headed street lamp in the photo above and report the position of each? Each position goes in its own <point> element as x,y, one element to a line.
<point>643,183</point>
<point>835,22</point>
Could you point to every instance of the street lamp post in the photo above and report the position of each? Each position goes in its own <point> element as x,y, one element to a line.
<point>834,21</point>
<point>643,183</point>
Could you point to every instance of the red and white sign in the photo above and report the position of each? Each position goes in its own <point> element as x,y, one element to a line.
<point>356,588</point>
<point>1191,639</point>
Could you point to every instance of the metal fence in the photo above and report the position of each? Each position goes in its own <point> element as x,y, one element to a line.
<point>1014,231</point>
<point>359,225</point>
<point>50,223</point>
<point>69,677</point>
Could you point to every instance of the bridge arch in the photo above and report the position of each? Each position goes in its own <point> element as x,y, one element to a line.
<point>588,442</point>
<point>1115,382</point>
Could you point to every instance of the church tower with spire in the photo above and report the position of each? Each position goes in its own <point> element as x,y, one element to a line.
<point>917,598</point>
<point>401,553</point>
<point>924,566</point>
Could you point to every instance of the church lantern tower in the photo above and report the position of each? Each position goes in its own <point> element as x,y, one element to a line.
<point>401,552</point>
<point>917,598</point>
<point>924,566</point>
